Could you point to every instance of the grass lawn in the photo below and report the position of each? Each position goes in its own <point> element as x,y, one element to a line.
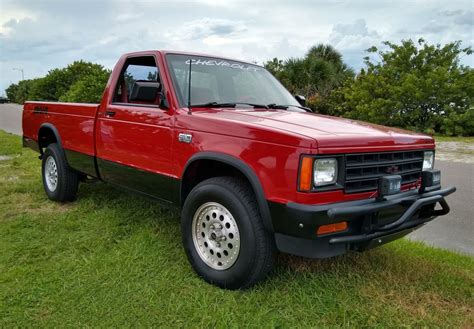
<point>114,259</point>
<point>469,140</point>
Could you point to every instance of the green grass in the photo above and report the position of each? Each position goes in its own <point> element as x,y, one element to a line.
<point>113,259</point>
<point>469,140</point>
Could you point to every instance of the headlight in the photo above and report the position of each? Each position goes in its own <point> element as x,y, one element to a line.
<point>325,171</point>
<point>428,160</point>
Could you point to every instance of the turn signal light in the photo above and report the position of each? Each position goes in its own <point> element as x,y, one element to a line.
<point>332,228</point>
<point>306,174</point>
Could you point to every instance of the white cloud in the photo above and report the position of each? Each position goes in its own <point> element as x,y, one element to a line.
<point>124,17</point>
<point>205,28</point>
<point>41,35</point>
<point>353,35</point>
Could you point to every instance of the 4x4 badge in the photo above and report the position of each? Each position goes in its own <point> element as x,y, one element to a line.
<point>185,138</point>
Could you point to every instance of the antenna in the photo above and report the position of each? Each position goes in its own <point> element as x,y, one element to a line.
<point>190,111</point>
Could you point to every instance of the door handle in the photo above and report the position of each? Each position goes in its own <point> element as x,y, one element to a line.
<point>109,114</point>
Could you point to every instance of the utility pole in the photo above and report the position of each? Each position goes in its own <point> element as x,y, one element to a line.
<point>22,72</point>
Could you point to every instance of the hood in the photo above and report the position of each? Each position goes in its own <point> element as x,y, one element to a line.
<point>331,134</point>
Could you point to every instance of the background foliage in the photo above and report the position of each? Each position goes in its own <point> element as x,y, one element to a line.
<point>78,82</point>
<point>316,74</point>
<point>417,86</point>
<point>413,85</point>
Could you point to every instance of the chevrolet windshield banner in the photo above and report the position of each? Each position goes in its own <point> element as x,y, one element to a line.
<point>215,62</point>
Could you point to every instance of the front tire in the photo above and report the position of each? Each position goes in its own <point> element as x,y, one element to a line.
<point>224,236</point>
<point>59,181</point>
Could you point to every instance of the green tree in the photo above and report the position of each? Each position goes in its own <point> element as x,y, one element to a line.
<point>88,89</point>
<point>315,75</point>
<point>19,92</point>
<point>11,92</point>
<point>275,66</point>
<point>78,82</point>
<point>57,83</point>
<point>412,85</point>
<point>52,86</point>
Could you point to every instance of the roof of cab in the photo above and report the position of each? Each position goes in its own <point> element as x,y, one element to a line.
<point>165,52</point>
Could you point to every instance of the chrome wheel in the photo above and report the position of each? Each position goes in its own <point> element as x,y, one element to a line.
<point>216,236</point>
<point>51,173</point>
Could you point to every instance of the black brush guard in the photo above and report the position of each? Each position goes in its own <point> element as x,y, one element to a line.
<point>413,203</point>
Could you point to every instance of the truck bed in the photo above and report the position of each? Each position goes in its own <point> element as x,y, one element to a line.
<point>74,123</point>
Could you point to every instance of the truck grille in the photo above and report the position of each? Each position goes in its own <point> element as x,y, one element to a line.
<point>363,170</point>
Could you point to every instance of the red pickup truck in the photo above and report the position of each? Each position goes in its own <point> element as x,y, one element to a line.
<point>251,168</point>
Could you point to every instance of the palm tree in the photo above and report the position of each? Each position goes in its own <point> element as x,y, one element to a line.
<point>331,55</point>
<point>319,72</point>
<point>326,52</point>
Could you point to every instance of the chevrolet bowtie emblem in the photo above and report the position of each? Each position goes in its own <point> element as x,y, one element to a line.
<point>391,170</point>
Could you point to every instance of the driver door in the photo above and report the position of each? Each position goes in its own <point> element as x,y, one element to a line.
<point>134,133</point>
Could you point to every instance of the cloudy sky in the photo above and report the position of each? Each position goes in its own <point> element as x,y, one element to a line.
<point>39,35</point>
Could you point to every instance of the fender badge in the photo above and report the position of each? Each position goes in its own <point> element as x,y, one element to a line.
<point>185,138</point>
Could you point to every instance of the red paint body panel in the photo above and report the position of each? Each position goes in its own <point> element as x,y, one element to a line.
<point>138,137</point>
<point>74,122</point>
<point>270,142</point>
<point>266,151</point>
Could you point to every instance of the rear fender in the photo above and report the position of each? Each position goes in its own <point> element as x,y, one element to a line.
<point>54,130</point>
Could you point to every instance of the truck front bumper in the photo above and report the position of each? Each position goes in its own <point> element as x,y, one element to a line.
<point>371,222</point>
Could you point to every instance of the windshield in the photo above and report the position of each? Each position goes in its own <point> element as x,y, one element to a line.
<point>215,80</point>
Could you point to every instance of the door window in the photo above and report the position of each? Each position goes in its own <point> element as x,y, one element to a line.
<point>139,82</point>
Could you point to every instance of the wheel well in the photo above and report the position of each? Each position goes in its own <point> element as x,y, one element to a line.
<point>46,136</point>
<point>203,169</point>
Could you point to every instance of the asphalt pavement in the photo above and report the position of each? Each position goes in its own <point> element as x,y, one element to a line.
<point>454,231</point>
<point>10,118</point>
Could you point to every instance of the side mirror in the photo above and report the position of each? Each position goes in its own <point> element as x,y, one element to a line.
<point>301,99</point>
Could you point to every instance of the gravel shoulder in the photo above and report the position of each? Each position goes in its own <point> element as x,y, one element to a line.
<point>460,152</point>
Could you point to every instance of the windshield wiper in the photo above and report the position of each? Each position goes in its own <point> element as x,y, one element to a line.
<point>214,104</point>
<point>285,107</point>
<point>277,106</point>
<point>233,105</point>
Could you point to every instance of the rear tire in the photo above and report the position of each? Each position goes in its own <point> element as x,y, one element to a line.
<point>59,181</point>
<point>224,236</point>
